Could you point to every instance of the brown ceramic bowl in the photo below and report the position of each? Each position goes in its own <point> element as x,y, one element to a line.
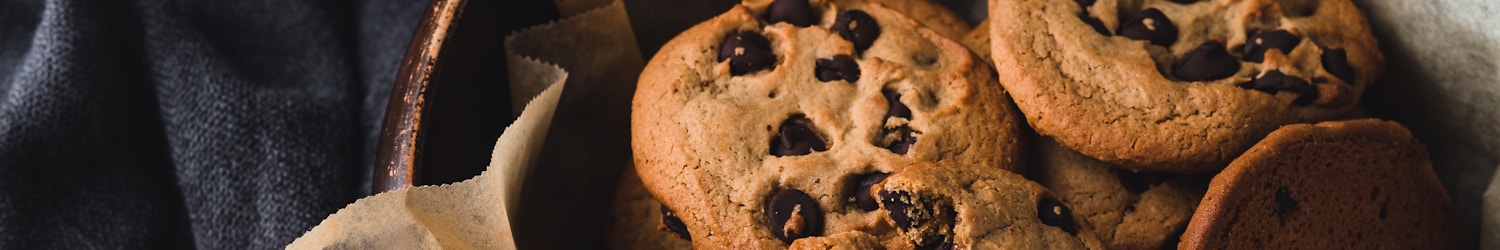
<point>450,100</point>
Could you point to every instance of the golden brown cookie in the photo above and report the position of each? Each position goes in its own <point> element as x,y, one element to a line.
<point>929,13</point>
<point>1359,184</point>
<point>1128,210</point>
<point>1179,86</point>
<point>637,221</point>
<point>758,127</point>
<point>978,40</point>
<point>958,208</point>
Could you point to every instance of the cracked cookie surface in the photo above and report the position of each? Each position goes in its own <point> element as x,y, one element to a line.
<point>948,207</point>
<point>1128,210</point>
<point>1179,86</point>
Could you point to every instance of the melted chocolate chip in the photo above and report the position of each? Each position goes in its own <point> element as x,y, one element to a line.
<point>1275,81</point>
<point>1150,25</point>
<point>670,220</point>
<point>899,203</point>
<point>945,244</point>
<point>1139,182</point>
<point>747,52</point>
<point>1084,3</point>
<point>1383,208</point>
<point>1094,22</point>
<point>1210,61</point>
<point>1053,213</point>
<point>862,197</point>
<point>896,108</point>
<point>902,139</point>
<point>1336,62</point>
<point>795,12</point>
<point>898,139</point>
<point>840,67</point>
<point>1260,42</point>
<point>857,27</point>
<point>797,137</point>
<point>793,214</point>
<point>1285,204</point>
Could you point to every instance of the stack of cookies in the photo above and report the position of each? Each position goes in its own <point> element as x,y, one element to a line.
<point>1089,124</point>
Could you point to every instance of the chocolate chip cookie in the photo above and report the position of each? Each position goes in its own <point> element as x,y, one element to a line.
<point>1359,184</point>
<point>638,221</point>
<point>1128,210</point>
<point>763,126</point>
<point>978,40</point>
<point>958,208</point>
<point>1179,86</point>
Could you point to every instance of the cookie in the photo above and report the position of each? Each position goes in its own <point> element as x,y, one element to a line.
<point>851,240</point>
<point>978,40</point>
<point>638,221</point>
<point>958,208</point>
<point>930,14</point>
<point>1359,184</point>
<point>1179,86</point>
<point>1128,210</point>
<point>757,132</point>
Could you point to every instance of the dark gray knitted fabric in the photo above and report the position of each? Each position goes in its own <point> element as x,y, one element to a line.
<point>213,124</point>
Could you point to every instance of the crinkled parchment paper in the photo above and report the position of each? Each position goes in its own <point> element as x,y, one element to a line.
<point>591,56</point>
<point>471,214</point>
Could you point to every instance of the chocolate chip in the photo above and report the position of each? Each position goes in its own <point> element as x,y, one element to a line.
<point>899,203</point>
<point>1336,62</point>
<point>862,197</point>
<point>1383,208</point>
<point>857,27</point>
<point>898,139</point>
<point>902,139</point>
<point>1210,61</point>
<point>1151,25</point>
<point>945,244</point>
<point>1094,22</point>
<point>841,67</point>
<point>793,214</point>
<point>1084,3</point>
<point>747,52</point>
<point>795,12</point>
<point>896,108</point>
<point>1255,48</point>
<point>1275,81</point>
<point>1285,204</point>
<point>670,220</point>
<point>1139,182</point>
<point>797,137</point>
<point>1053,213</point>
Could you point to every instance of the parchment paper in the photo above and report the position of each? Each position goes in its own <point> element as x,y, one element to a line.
<point>587,139</point>
<point>467,215</point>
